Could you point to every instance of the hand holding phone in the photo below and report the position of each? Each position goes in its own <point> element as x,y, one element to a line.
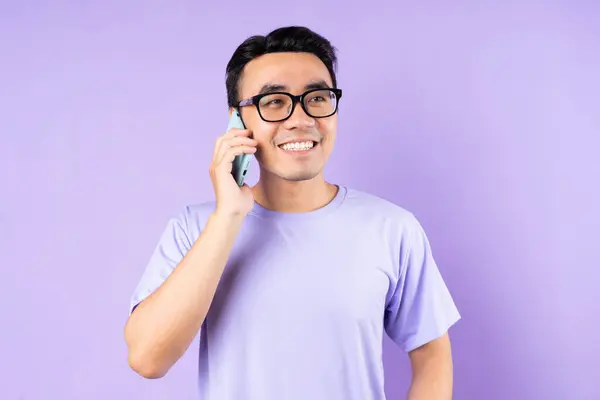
<point>228,168</point>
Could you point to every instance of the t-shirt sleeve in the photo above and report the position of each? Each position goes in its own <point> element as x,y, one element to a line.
<point>173,244</point>
<point>421,308</point>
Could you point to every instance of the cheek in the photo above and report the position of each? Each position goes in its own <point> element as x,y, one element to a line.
<point>262,131</point>
<point>328,129</point>
<point>264,136</point>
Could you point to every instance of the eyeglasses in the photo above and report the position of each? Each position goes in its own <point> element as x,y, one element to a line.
<point>279,106</point>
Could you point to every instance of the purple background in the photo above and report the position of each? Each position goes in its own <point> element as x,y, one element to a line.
<point>481,119</point>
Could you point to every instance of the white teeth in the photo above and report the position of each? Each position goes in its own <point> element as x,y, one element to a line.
<point>298,146</point>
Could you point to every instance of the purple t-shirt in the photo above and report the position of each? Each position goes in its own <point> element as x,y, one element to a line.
<point>305,299</point>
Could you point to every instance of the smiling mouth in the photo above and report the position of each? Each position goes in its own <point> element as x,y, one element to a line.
<point>298,146</point>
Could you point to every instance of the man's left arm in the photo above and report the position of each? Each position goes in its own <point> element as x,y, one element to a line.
<point>419,313</point>
<point>432,373</point>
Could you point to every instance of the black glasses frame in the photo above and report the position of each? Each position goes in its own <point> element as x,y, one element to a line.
<point>295,100</point>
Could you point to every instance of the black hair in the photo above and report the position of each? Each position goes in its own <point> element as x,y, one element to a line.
<point>285,39</point>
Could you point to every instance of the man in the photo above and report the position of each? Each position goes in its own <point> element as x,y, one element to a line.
<point>293,282</point>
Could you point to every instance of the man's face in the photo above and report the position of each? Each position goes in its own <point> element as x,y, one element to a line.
<point>277,152</point>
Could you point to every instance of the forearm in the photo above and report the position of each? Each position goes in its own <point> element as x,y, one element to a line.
<point>163,326</point>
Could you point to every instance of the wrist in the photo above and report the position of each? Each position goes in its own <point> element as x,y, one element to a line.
<point>226,219</point>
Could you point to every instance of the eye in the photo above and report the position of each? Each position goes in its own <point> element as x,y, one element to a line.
<point>273,102</point>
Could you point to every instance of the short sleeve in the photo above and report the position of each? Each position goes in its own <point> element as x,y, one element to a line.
<point>421,308</point>
<point>173,244</point>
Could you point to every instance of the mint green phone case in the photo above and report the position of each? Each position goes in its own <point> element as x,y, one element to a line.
<point>241,162</point>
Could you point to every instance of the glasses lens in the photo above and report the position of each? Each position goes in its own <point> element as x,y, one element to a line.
<point>320,103</point>
<point>275,106</point>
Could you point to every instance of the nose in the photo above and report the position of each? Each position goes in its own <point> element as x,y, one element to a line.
<point>299,119</point>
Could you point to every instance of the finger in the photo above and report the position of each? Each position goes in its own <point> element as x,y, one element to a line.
<point>217,148</point>
<point>232,133</point>
<point>240,140</point>
<point>246,188</point>
<point>237,132</point>
<point>226,144</point>
<point>232,152</point>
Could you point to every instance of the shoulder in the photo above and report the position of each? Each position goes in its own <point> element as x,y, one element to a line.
<point>391,223</point>
<point>191,219</point>
<point>386,226</point>
<point>373,207</point>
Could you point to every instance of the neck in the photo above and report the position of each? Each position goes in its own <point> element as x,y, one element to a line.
<point>277,194</point>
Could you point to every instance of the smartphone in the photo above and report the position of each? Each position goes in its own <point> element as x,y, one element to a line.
<point>241,162</point>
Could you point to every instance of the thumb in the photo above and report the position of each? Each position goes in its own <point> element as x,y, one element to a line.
<point>246,189</point>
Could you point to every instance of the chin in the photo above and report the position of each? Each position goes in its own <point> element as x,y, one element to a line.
<point>298,176</point>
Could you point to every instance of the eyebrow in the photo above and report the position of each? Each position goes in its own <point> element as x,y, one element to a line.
<point>274,87</point>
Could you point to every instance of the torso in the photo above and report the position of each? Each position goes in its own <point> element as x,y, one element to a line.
<point>298,313</point>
